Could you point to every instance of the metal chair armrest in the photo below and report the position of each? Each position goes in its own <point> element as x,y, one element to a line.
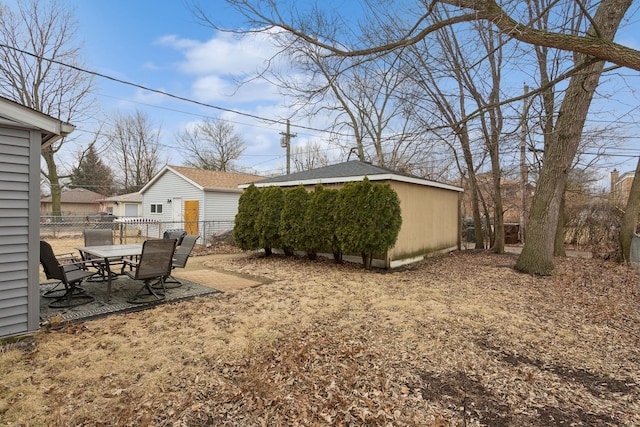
<point>80,265</point>
<point>129,262</point>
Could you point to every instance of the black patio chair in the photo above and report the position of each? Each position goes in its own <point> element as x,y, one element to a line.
<point>59,288</point>
<point>174,234</point>
<point>180,258</point>
<point>153,265</point>
<point>70,274</point>
<point>99,237</point>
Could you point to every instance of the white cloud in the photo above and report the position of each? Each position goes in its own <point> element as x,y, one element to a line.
<point>214,88</point>
<point>225,54</point>
<point>150,66</point>
<point>215,67</point>
<point>176,42</point>
<point>147,97</point>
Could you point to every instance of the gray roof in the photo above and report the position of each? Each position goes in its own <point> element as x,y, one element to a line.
<point>129,197</point>
<point>338,170</point>
<point>354,170</point>
<point>76,195</point>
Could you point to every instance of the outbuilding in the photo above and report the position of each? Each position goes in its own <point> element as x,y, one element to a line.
<point>430,210</point>
<point>201,202</point>
<point>23,132</point>
<point>122,206</point>
<point>75,204</point>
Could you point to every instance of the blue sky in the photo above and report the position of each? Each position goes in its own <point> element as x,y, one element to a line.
<point>159,44</point>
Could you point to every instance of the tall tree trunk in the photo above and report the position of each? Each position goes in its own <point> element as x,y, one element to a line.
<point>558,247</point>
<point>475,192</point>
<point>488,227</point>
<point>477,219</point>
<point>498,210</point>
<point>630,219</point>
<point>54,183</point>
<point>537,254</point>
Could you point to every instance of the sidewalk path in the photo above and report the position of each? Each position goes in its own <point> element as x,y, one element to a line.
<point>199,270</point>
<point>570,253</point>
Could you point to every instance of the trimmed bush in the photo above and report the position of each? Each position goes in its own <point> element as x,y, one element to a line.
<point>368,219</point>
<point>320,223</point>
<point>267,223</point>
<point>292,226</point>
<point>244,231</point>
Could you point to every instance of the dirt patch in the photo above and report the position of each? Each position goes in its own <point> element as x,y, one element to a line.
<point>461,339</point>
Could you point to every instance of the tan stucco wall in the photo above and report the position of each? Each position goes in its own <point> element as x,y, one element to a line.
<point>430,220</point>
<point>71,209</point>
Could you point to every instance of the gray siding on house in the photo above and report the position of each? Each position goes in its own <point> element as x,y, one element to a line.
<point>222,207</point>
<point>17,199</point>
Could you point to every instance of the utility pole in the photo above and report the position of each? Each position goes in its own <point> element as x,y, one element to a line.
<point>524,170</point>
<point>285,142</point>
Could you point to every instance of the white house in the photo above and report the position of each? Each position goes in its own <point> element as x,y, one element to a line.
<point>23,132</point>
<point>198,201</point>
<point>125,205</point>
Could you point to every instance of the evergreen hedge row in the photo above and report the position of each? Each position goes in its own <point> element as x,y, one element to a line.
<point>360,218</point>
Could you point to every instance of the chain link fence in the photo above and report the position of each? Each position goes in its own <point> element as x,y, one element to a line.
<point>134,230</point>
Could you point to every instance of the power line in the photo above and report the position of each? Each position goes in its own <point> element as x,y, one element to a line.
<point>161,92</point>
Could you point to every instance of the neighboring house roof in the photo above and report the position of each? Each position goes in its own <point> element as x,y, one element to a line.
<point>77,196</point>
<point>206,180</point>
<point>354,170</point>
<point>130,197</point>
<point>15,114</point>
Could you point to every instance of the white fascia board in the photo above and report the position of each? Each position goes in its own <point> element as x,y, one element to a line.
<point>222,190</point>
<point>31,118</point>
<point>339,180</point>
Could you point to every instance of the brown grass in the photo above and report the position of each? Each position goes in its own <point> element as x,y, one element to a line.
<point>457,340</point>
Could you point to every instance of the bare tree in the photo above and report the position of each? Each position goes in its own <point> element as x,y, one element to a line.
<point>313,28</point>
<point>450,69</point>
<point>362,99</point>
<point>135,145</point>
<point>211,145</point>
<point>592,45</point>
<point>309,156</point>
<point>32,35</point>
<point>547,203</point>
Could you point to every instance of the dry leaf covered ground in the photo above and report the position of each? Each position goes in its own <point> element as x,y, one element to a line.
<point>456,340</point>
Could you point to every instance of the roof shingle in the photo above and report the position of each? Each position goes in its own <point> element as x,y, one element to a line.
<point>215,179</point>
<point>76,195</point>
<point>349,171</point>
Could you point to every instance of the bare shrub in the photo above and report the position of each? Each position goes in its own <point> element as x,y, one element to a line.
<point>595,227</point>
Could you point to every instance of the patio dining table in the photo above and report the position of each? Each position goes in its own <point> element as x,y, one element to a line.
<point>110,253</point>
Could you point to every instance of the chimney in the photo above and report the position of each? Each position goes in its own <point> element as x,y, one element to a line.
<point>614,179</point>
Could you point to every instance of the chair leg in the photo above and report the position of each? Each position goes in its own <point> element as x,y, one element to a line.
<point>56,291</point>
<point>168,282</point>
<point>149,297</point>
<point>73,297</point>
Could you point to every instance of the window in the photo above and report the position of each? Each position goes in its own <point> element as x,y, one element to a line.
<point>156,208</point>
